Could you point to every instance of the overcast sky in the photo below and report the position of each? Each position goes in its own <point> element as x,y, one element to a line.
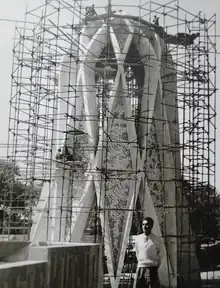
<point>15,9</point>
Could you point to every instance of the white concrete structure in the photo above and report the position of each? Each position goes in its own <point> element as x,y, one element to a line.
<point>133,163</point>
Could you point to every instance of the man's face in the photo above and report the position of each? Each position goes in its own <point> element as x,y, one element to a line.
<point>147,227</point>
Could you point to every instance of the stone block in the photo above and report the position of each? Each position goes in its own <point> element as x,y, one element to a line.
<point>16,249</point>
<point>74,266</point>
<point>24,274</point>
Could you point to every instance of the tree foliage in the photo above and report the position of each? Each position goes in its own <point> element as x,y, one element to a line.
<point>16,200</point>
<point>204,211</point>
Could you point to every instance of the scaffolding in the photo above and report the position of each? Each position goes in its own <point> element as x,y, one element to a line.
<point>53,145</point>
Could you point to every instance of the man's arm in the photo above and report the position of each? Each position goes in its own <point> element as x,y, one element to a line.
<point>136,248</point>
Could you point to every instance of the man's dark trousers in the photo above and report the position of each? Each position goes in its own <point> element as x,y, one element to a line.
<point>147,277</point>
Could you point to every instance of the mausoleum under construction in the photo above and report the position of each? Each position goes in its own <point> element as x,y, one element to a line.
<point>113,117</point>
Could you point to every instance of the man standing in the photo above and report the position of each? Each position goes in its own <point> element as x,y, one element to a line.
<point>150,254</point>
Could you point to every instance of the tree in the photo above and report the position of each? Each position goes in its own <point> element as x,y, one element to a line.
<point>16,200</point>
<point>204,210</point>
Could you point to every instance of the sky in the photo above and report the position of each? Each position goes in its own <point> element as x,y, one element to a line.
<point>12,10</point>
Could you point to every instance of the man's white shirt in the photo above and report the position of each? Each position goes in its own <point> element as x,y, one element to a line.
<point>150,250</point>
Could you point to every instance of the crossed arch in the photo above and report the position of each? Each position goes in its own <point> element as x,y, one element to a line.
<point>85,79</point>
